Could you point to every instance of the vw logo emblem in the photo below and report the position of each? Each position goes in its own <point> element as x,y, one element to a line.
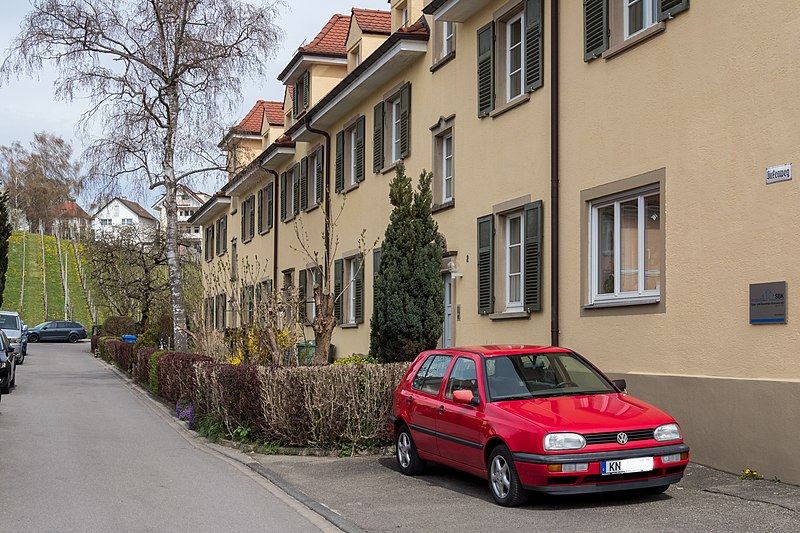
<point>622,438</point>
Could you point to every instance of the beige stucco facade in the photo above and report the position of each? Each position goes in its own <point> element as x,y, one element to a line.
<point>692,110</point>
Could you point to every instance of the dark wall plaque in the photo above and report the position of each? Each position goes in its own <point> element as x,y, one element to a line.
<point>768,303</point>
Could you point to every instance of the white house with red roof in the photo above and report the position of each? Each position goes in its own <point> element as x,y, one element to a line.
<point>122,212</point>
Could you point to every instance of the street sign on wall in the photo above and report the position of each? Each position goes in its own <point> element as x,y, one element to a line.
<point>779,173</point>
<point>768,303</point>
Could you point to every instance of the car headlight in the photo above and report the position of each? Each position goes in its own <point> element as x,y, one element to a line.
<point>13,340</point>
<point>563,441</point>
<point>667,432</point>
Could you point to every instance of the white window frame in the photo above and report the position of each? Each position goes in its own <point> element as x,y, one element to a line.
<point>649,12</point>
<point>640,295</point>
<point>294,176</point>
<point>350,264</point>
<point>312,180</point>
<point>311,280</point>
<point>447,179</point>
<point>394,105</point>
<point>448,38</point>
<point>515,305</point>
<point>521,45</point>
<point>352,149</point>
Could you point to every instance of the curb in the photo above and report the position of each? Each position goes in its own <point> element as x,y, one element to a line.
<point>325,512</point>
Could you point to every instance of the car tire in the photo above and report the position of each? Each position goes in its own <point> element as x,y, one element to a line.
<point>504,482</point>
<point>73,338</point>
<point>21,358</point>
<point>6,389</point>
<point>13,381</point>
<point>408,460</point>
<point>33,337</point>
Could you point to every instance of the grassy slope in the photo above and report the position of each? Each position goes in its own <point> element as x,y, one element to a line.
<point>14,273</point>
<point>80,309</point>
<point>33,304</point>
<point>55,290</point>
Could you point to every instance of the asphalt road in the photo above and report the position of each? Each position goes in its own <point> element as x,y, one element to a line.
<point>80,450</point>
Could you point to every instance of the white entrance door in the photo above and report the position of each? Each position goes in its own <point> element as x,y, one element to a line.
<point>447,328</point>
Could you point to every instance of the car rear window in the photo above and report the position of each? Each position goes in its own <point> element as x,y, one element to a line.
<point>431,374</point>
<point>9,322</point>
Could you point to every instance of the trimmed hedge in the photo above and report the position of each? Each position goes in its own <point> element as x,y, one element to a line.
<point>334,406</point>
<point>118,325</point>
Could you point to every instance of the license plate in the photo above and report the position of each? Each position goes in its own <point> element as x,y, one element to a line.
<point>626,466</point>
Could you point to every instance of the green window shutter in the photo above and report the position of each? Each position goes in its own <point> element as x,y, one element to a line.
<point>340,161</point>
<point>534,45</point>
<point>359,151</point>
<point>252,216</point>
<point>377,139</point>
<point>595,28</point>
<point>318,173</point>
<point>338,274</point>
<point>669,8</point>
<point>295,101</point>
<point>304,183</point>
<point>243,209</point>
<point>405,120</point>
<point>270,204</point>
<point>260,210</point>
<point>376,263</point>
<point>486,69</point>
<point>223,235</point>
<point>486,265</point>
<point>306,79</point>
<point>296,189</point>
<point>534,236</point>
<point>283,196</point>
<point>301,294</point>
<point>359,281</point>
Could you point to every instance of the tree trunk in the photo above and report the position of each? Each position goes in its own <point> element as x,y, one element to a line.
<point>171,208</point>
<point>324,324</point>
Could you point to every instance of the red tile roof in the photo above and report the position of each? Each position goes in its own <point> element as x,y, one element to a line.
<point>251,123</point>
<point>136,208</point>
<point>69,209</point>
<point>274,113</point>
<point>373,20</point>
<point>331,39</point>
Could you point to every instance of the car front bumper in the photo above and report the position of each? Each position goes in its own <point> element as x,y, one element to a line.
<point>535,470</point>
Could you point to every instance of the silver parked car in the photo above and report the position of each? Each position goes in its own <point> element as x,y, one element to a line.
<point>15,330</point>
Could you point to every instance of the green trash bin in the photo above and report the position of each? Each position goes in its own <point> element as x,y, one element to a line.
<point>306,351</point>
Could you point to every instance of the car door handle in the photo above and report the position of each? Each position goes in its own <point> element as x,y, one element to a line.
<point>440,409</point>
<point>409,399</point>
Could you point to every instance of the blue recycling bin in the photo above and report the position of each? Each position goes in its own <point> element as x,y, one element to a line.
<point>129,338</point>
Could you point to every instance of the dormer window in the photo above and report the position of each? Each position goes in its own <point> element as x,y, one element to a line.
<point>300,96</point>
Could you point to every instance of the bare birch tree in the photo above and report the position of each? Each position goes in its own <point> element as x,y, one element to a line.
<point>158,74</point>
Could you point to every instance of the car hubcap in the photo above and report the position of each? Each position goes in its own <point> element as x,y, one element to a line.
<point>500,476</point>
<point>404,449</point>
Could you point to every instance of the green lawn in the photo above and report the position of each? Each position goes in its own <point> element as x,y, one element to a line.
<point>11,293</point>
<point>80,309</point>
<point>54,287</point>
<point>33,302</point>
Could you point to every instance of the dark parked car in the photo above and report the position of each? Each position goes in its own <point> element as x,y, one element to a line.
<point>532,418</point>
<point>8,365</point>
<point>57,330</point>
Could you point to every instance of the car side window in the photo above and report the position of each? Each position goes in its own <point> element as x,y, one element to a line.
<point>435,375</point>
<point>419,379</point>
<point>464,376</point>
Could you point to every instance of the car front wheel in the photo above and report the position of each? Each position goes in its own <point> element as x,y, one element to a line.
<point>21,358</point>
<point>73,338</point>
<point>503,479</point>
<point>407,459</point>
<point>33,337</point>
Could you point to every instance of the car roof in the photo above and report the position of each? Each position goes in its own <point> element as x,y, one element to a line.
<point>13,313</point>
<point>495,350</point>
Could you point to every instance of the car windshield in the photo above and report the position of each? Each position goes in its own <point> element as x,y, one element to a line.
<point>519,377</point>
<point>9,322</point>
<point>42,324</point>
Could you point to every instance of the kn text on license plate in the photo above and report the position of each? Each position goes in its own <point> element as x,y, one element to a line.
<point>627,466</point>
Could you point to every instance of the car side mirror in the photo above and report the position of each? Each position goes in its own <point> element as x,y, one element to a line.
<point>466,396</point>
<point>24,329</point>
<point>620,384</point>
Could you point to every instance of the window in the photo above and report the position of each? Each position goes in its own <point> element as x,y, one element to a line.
<point>510,57</point>
<point>220,316</point>
<point>127,221</point>
<point>290,193</point>
<point>209,243</point>
<point>443,163</point>
<point>611,26</point>
<point>348,287</point>
<point>315,184</point>
<point>350,155</point>
<point>308,279</point>
<point>105,221</point>
<point>265,208</point>
<point>115,210</point>
<point>518,269</point>
<point>222,235</point>
<point>444,43</point>
<point>248,210</point>
<point>234,261</point>
<point>464,376</point>
<point>431,374</point>
<point>447,167</point>
<point>247,304</point>
<point>300,95</point>
<point>626,247</point>
<point>391,128</point>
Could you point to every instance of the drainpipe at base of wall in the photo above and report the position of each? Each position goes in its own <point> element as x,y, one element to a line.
<point>554,181</point>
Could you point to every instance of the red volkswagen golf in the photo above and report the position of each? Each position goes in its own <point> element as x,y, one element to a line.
<point>532,418</point>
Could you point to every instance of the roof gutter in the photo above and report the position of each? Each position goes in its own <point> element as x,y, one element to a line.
<point>326,266</point>
<point>554,172</point>
<point>274,227</point>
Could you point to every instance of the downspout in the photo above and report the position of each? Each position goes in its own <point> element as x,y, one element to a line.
<point>554,151</point>
<point>275,209</point>
<point>323,133</point>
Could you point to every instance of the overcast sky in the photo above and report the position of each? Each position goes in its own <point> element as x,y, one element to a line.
<point>28,106</point>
